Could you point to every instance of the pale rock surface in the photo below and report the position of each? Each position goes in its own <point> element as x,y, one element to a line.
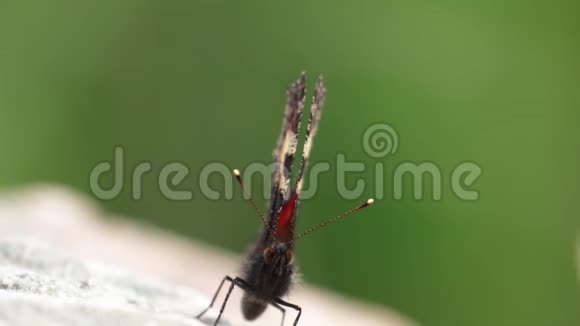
<point>65,262</point>
<point>39,286</point>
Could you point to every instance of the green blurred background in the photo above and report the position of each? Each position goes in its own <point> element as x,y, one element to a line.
<point>494,82</point>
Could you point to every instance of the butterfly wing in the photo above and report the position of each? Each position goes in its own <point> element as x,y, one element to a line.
<point>285,152</point>
<point>284,228</point>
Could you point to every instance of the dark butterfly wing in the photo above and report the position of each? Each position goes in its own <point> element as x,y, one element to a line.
<point>313,122</point>
<point>285,151</point>
<point>284,229</point>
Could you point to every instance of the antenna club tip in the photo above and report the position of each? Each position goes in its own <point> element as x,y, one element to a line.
<point>236,172</point>
<point>370,201</point>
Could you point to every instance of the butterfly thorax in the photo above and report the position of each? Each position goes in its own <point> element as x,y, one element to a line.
<point>269,270</point>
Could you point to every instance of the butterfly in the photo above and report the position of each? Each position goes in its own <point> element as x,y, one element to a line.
<point>270,267</point>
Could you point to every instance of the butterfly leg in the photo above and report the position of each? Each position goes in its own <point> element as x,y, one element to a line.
<point>282,310</point>
<point>290,305</point>
<point>233,282</point>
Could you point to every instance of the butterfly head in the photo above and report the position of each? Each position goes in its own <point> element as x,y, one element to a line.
<point>278,257</point>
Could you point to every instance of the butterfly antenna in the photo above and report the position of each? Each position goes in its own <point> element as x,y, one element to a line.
<point>334,219</point>
<point>238,176</point>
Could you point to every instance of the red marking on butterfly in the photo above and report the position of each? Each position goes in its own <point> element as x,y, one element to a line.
<point>284,228</point>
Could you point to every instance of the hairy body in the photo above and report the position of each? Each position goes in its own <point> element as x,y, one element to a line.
<point>270,273</point>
